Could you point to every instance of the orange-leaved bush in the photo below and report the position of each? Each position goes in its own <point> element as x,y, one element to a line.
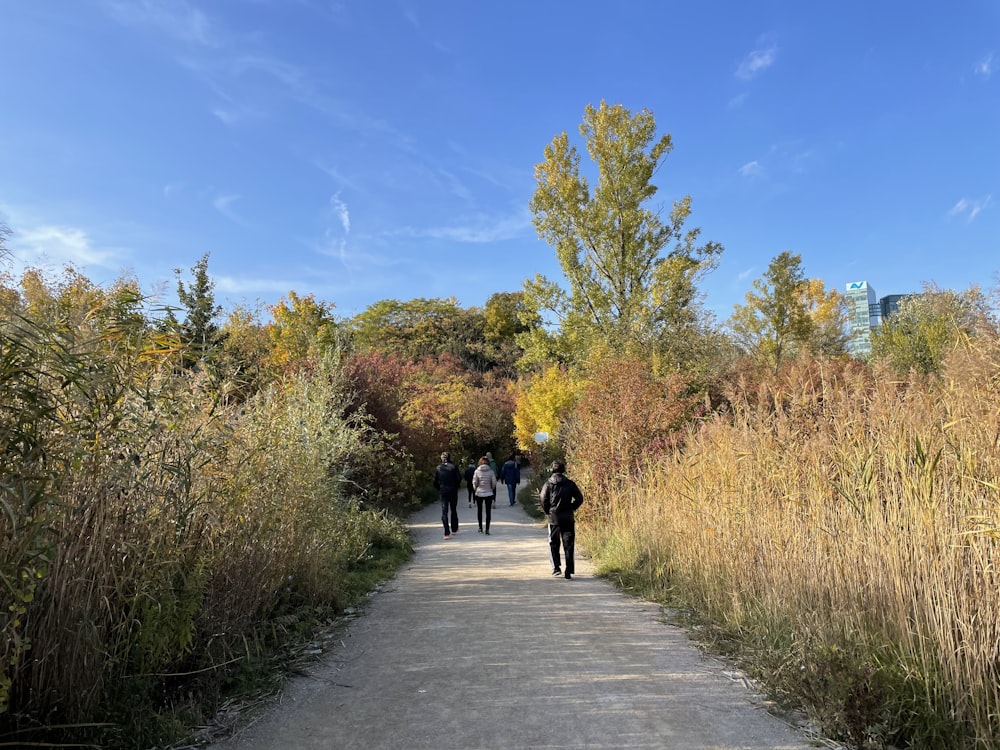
<point>625,416</point>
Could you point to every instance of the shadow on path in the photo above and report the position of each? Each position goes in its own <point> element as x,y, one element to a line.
<point>475,645</point>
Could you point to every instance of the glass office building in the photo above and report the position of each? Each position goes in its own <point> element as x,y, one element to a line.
<point>864,314</point>
<point>865,311</point>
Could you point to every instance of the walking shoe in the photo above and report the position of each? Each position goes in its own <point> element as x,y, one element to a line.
<point>556,572</point>
<point>487,532</point>
<point>470,505</point>
<point>568,576</point>
<point>480,529</point>
<point>447,536</point>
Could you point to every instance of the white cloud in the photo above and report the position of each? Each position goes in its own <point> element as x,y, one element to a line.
<point>970,208</point>
<point>756,61</point>
<point>744,275</point>
<point>227,116</point>
<point>478,231</point>
<point>340,210</point>
<point>224,205</point>
<point>752,169</point>
<point>50,245</point>
<point>986,66</point>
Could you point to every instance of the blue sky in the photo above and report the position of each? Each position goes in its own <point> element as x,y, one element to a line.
<point>373,149</point>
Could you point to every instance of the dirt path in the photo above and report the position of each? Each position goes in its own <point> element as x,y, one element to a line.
<point>474,645</point>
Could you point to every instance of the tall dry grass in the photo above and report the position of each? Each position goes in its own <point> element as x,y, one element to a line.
<point>843,527</point>
<point>150,532</point>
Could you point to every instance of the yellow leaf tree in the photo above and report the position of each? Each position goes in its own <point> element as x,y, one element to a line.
<point>542,405</point>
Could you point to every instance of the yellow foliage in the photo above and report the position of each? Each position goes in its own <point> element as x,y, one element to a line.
<point>542,405</point>
<point>301,326</point>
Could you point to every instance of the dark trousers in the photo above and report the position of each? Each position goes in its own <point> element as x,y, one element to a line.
<point>488,502</point>
<point>511,492</point>
<point>449,502</point>
<point>562,533</point>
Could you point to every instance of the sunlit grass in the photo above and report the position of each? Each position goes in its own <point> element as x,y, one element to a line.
<point>843,530</point>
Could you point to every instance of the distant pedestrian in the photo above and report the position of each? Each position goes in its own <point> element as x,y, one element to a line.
<point>560,498</point>
<point>468,479</point>
<point>511,476</point>
<point>485,483</point>
<point>493,466</point>
<point>447,479</point>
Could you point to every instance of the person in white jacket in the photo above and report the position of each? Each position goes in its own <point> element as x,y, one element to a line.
<point>484,485</point>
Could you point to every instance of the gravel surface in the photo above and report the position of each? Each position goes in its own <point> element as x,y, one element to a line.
<point>474,645</point>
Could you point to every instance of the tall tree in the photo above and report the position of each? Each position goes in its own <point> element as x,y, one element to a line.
<point>199,332</point>
<point>827,312</point>
<point>632,273</point>
<point>302,328</point>
<point>505,317</point>
<point>775,318</point>
<point>418,328</point>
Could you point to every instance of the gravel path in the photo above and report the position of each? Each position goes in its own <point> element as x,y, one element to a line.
<point>474,645</point>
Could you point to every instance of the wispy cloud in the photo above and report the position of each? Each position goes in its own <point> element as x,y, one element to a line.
<point>478,230</point>
<point>178,19</point>
<point>51,245</point>
<point>224,205</point>
<point>758,60</point>
<point>247,78</point>
<point>738,101</point>
<point>970,208</point>
<point>752,169</point>
<point>744,275</point>
<point>410,14</point>
<point>986,65</point>
<point>341,212</point>
<point>250,285</point>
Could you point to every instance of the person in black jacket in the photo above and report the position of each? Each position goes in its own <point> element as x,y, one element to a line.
<point>447,479</point>
<point>469,473</point>
<point>560,498</point>
<point>510,475</point>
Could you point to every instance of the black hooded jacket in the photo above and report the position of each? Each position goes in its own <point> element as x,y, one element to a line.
<point>447,478</point>
<point>560,498</point>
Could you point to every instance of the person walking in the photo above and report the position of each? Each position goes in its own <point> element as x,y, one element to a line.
<point>560,497</point>
<point>447,480</point>
<point>511,476</point>
<point>493,467</point>
<point>484,481</point>
<point>470,470</point>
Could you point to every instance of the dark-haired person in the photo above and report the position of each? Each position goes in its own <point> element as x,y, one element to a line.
<point>484,483</point>
<point>560,497</point>
<point>447,480</point>
<point>511,476</point>
<point>470,470</point>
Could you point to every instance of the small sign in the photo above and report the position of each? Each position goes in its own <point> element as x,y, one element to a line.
<point>541,437</point>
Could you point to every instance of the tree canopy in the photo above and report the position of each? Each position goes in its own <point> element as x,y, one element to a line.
<point>199,331</point>
<point>631,271</point>
<point>921,333</point>
<point>786,313</point>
